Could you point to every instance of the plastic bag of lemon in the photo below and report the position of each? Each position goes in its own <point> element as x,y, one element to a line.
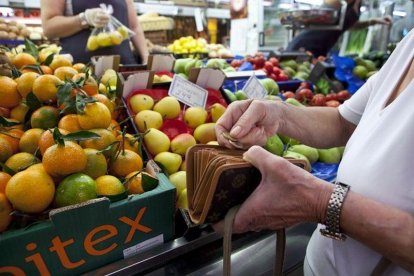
<point>110,35</point>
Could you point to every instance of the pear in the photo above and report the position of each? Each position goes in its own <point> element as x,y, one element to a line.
<point>182,142</point>
<point>195,116</point>
<point>183,166</point>
<point>170,161</point>
<point>156,141</point>
<point>240,95</point>
<point>329,156</point>
<point>216,110</point>
<point>168,107</point>
<point>294,102</point>
<point>311,153</point>
<point>230,95</point>
<point>146,119</point>
<point>215,143</point>
<point>274,145</point>
<point>182,201</point>
<point>141,102</point>
<point>205,133</point>
<point>295,155</point>
<point>179,180</point>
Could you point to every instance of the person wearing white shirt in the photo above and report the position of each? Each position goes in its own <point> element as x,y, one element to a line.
<point>373,199</point>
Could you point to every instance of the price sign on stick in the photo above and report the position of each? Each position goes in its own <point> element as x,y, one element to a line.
<point>187,92</point>
<point>254,89</point>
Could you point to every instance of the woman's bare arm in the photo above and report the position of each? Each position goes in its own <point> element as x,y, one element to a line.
<point>55,24</point>
<point>138,40</point>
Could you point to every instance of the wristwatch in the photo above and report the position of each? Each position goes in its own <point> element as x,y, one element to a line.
<point>83,21</point>
<point>333,213</point>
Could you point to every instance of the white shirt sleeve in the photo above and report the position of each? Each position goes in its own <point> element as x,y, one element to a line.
<point>352,109</point>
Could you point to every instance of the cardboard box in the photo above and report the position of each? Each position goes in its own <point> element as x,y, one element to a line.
<point>83,237</point>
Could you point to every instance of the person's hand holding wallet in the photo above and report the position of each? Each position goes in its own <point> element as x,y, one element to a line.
<point>286,194</point>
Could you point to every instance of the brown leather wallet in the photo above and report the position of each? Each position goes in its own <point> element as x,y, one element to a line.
<point>218,179</point>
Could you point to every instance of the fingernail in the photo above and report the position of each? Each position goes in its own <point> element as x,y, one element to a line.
<point>235,131</point>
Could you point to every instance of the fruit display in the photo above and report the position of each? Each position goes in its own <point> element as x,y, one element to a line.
<point>60,141</point>
<point>169,128</point>
<point>318,161</point>
<point>188,45</point>
<point>13,30</point>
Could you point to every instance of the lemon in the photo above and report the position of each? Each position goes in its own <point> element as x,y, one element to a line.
<point>92,43</point>
<point>116,38</point>
<point>104,39</point>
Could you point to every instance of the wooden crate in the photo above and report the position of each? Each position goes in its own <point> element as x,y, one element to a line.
<point>158,37</point>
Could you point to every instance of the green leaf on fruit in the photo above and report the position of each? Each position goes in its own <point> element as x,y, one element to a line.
<point>4,122</point>
<point>148,182</point>
<point>81,136</point>
<point>49,59</point>
<point>31,48</point>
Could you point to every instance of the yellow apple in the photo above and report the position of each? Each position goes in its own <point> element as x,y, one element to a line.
<point>195,116</point>
<point>169,160</point>
<point>146,119</point>
<point>182,142</point>
<point>156,141</point>
<point>205,133</point>
<point>141,102</point>
<point>168,107</point>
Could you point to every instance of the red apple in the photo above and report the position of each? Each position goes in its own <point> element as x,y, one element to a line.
<point>259,62</point>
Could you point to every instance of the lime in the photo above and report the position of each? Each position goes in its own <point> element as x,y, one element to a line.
<point>74,189</point>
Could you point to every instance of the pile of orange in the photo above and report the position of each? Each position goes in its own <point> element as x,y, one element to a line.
<point>44,170</point>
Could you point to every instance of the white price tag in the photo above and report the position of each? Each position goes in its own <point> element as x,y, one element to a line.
<point>254,89</point>
<point>188,92</point>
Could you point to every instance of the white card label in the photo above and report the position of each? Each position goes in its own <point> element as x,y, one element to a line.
<point>140,247</point>
<point>254,89</point>
<point>187,92</point>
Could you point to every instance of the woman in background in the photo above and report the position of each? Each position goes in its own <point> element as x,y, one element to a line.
<point>72,21</point>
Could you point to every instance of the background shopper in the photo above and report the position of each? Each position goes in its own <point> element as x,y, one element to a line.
<point>72,21</point>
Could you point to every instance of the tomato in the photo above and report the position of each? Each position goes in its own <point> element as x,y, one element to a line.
<point>288,94</point>
<point>273,76</point>
<point>259,62</point>
<point>332,103</point>
<point>274,61</point>
<point>330,97</point>
<point>304,95</point>
<point>277,71</point>
<point>304,84</point>
<point>318,100</point>
<point>343,95</point>
<point>268,66</point>
<point>236,63</point>
<point>282,77</point>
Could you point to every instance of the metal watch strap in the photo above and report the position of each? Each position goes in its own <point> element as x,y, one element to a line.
<point>333,213</point>
<point>83,21</point>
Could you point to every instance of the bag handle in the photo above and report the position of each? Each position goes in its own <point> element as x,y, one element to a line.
<point>228,229</point>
